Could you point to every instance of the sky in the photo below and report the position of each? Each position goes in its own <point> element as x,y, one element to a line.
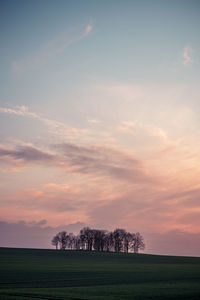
<point>99,120</point>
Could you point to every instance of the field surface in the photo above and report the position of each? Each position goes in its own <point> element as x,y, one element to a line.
<point>49,274</point>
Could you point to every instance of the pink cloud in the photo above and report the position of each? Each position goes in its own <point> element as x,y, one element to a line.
<point>88,160</point>
<point>103,185</point>
<point>25,153</point>
<point>187,55</point>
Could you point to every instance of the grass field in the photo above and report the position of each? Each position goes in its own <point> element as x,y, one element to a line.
<point>49,274</point>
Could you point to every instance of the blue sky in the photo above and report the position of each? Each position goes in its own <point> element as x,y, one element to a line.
<point>135,40</point>
<point>138,42</point>
<point>100,94</point>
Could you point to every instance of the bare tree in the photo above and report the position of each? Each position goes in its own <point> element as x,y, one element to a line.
<point>102,239</point>
<point>98,239</point>
<point>70,241</point>
<point>77,242</point>
<point>128,241</point>
<point>62,239</point>
<point>87,236</point>
<point>55,241</point>
<point>109,241</point>
<point>138,242</point>
<point>118,236</point>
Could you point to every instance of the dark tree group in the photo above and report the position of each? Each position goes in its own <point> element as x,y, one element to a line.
<point>89,239</point>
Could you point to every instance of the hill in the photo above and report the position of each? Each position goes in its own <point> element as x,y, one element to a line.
<point>49,274</point>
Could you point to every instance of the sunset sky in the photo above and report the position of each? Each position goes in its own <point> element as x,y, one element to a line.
<point>99,117</point>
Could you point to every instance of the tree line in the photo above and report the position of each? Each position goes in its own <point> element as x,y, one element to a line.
<point>89,239</point>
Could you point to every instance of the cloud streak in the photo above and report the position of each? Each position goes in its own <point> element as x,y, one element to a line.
<point>55,127</point>
<point>53,48</point>
<point>26,154</point>
<point>87,160</point>
<point>18,111</point>
<point>105,161</point>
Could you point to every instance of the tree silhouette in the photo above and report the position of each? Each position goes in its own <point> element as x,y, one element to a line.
<point>55,241</point>
<point>100,240</point>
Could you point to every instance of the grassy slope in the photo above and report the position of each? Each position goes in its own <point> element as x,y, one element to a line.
<point>50,274</point>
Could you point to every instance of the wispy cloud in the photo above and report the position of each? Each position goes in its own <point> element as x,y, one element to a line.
<point>88,29</point>
<point>140,128</point>
<point>187,56</point>
<point>93,121</point>
<point>126,127</point>
<point>18,110</point>
<point>25,153</point>
<point>54,47</point>
<point>106,161</point>
<point>55,127</point>
<point>62,131</point>
<point>95,161</point>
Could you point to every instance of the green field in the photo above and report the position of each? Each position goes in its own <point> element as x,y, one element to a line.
<point>49,274</point>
